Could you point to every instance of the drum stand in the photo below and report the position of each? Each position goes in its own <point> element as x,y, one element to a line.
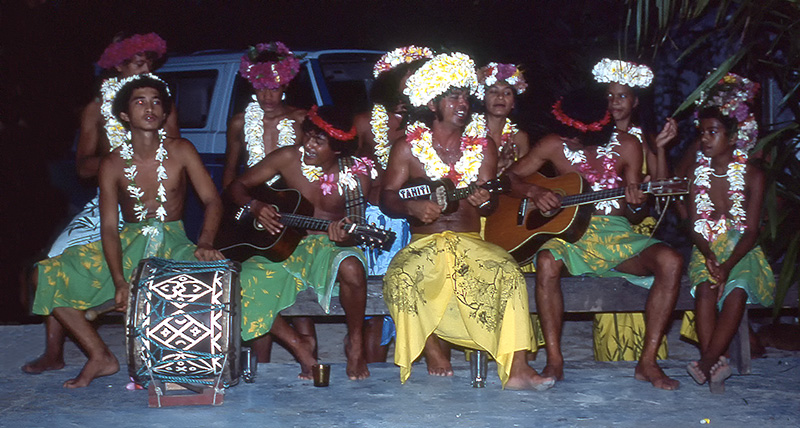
<point>163,393</point>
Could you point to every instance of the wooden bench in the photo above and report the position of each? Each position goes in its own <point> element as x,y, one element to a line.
<point>581,295</point>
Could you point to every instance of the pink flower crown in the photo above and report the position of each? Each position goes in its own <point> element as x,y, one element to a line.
<point>116,53</point>
<point>510,73</point>
<point>733,95</point>
<point>328,128</point>
<point>580,126</point>
<point>269,74</point>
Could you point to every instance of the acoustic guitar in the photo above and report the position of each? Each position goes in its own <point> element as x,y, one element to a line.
<point>241,236</point>
<point>521,229</point>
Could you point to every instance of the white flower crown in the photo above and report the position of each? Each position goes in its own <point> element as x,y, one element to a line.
<point>622,72</point>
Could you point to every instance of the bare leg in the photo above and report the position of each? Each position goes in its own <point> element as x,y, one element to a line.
<point>353,295</point>
<point>301,346</point>
<point>550,305</point>
<point>373,333</point>
<point>101,361</point>
<point>705,303</point>
<point>666,265</point>
<point>262,346</point>
<point>724,330</point>
<point>53,356</point>
<point>437,356</point>
<point>523,376</point>
<point>305,327</point>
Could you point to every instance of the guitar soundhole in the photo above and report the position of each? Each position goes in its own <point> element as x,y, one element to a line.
<point>258,226</point>
<point>441,196</point>
<point>551,213</point>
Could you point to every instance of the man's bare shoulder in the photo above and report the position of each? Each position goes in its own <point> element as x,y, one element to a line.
<point>93,109</point>
<point>236,121</point>
<point>549,143</point>
<point>297,114</point>
<point>111,163</point>
<point>362,122</point>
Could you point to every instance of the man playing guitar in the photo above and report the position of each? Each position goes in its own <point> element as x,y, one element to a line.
<point>320,260</point>
<point>587,143</point>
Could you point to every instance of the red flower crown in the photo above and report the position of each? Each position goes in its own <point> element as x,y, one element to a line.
<point>116,53</point>
<point>328,128</point>
<point>580,126</point>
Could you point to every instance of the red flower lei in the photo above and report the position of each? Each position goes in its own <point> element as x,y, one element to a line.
<point>330,130</point>
<point>580,126</point>
<point>116,53</point>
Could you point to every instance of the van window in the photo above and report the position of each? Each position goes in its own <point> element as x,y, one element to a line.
<point>348,77</point>
<point>192,92</point>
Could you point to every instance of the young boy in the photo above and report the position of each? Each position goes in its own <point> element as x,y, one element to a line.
<point>146,177</point>
<point>727,268</point>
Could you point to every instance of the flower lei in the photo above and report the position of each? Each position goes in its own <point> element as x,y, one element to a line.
<point>607,178</point>
<point>115,132</point>
<point>399,56</point>
<point>580,126</point>
<point>636,132</point>
<point>509,131</point>
<point>254,133</point>
<point>269,74</point>
<point>347,178</point>
<point>116,53</point>
<point>510,73</point>
<point>622,72</point>
<point>437,76</point>
<point>380,130</point>
<point>707,228</point>
<point>732,95</point>
<point>465,170</point>
<point>134,190</point>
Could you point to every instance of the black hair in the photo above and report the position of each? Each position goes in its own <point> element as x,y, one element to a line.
<point>386,87</point>
<point>587,105</point>
<point>123,96</point>
<point>730,123</point>
<point>338,119</point>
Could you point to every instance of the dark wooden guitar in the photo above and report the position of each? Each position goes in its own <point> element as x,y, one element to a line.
<point>444,192</point>
<point>241,236</point>
<point>521,229</point>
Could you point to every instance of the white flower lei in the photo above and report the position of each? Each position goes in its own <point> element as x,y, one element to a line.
<point>136,192</point>
<point>254,133</point>
<point>116,133</point>
<point>472,143</point>
<point>509,131</point>
<point>380,130</point>
<point>704,225</point>
<point>606,179</point>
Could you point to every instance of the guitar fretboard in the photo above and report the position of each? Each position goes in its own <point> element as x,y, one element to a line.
<point>597,196</point>
<point>461,193</point>
<point>304,222</point>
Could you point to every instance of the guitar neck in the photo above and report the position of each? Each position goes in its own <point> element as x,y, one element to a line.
<point>597,196</point>
<point>304,222</point>
<point>462,193</point>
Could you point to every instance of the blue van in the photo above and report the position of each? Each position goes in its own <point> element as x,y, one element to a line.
<point>208,91</point>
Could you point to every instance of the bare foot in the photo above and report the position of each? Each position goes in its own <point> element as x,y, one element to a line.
<point>356,360</point>
<point>719,372</point>
<point>694,371</point>
<point>531,380</point>
<point>42,364</point>
<point>105,365</point>
<point>553,371</point>
<point>651,372</point>
<point>304,353</point>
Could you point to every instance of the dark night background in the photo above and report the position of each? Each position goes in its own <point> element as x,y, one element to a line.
<point>48,51</point>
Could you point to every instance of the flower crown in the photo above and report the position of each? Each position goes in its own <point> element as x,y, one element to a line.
<point>117,52</point>
<point>437,76</point>
<point>622,72</point>
<point>406,54</point>
<point>733,95</point>
<point>580,126</point>
<point>510,73</point>
<point>328,128</point>
<point>269,74</point>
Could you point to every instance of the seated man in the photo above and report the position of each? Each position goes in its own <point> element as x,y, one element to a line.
<point>448,283</point>
<point>587,143</point>
<point>146,177</point>
<point>321,259</point>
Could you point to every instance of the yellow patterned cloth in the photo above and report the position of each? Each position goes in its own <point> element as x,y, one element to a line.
<point>752,274</point>
<point>79,277</point>
<point>269,287</point>
<point>609,241</point>
<point>461,288</point>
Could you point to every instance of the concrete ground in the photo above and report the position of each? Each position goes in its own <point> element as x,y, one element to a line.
<point>593,394</point>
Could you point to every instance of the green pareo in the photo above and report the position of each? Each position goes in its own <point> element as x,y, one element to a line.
<point>269,287</point>
<point>79,278</point>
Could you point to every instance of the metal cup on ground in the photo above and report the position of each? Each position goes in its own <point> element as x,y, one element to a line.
<point>478,366</point>
<point>321,374</point>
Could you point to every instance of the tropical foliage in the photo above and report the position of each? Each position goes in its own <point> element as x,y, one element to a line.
<point>763,37</point>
